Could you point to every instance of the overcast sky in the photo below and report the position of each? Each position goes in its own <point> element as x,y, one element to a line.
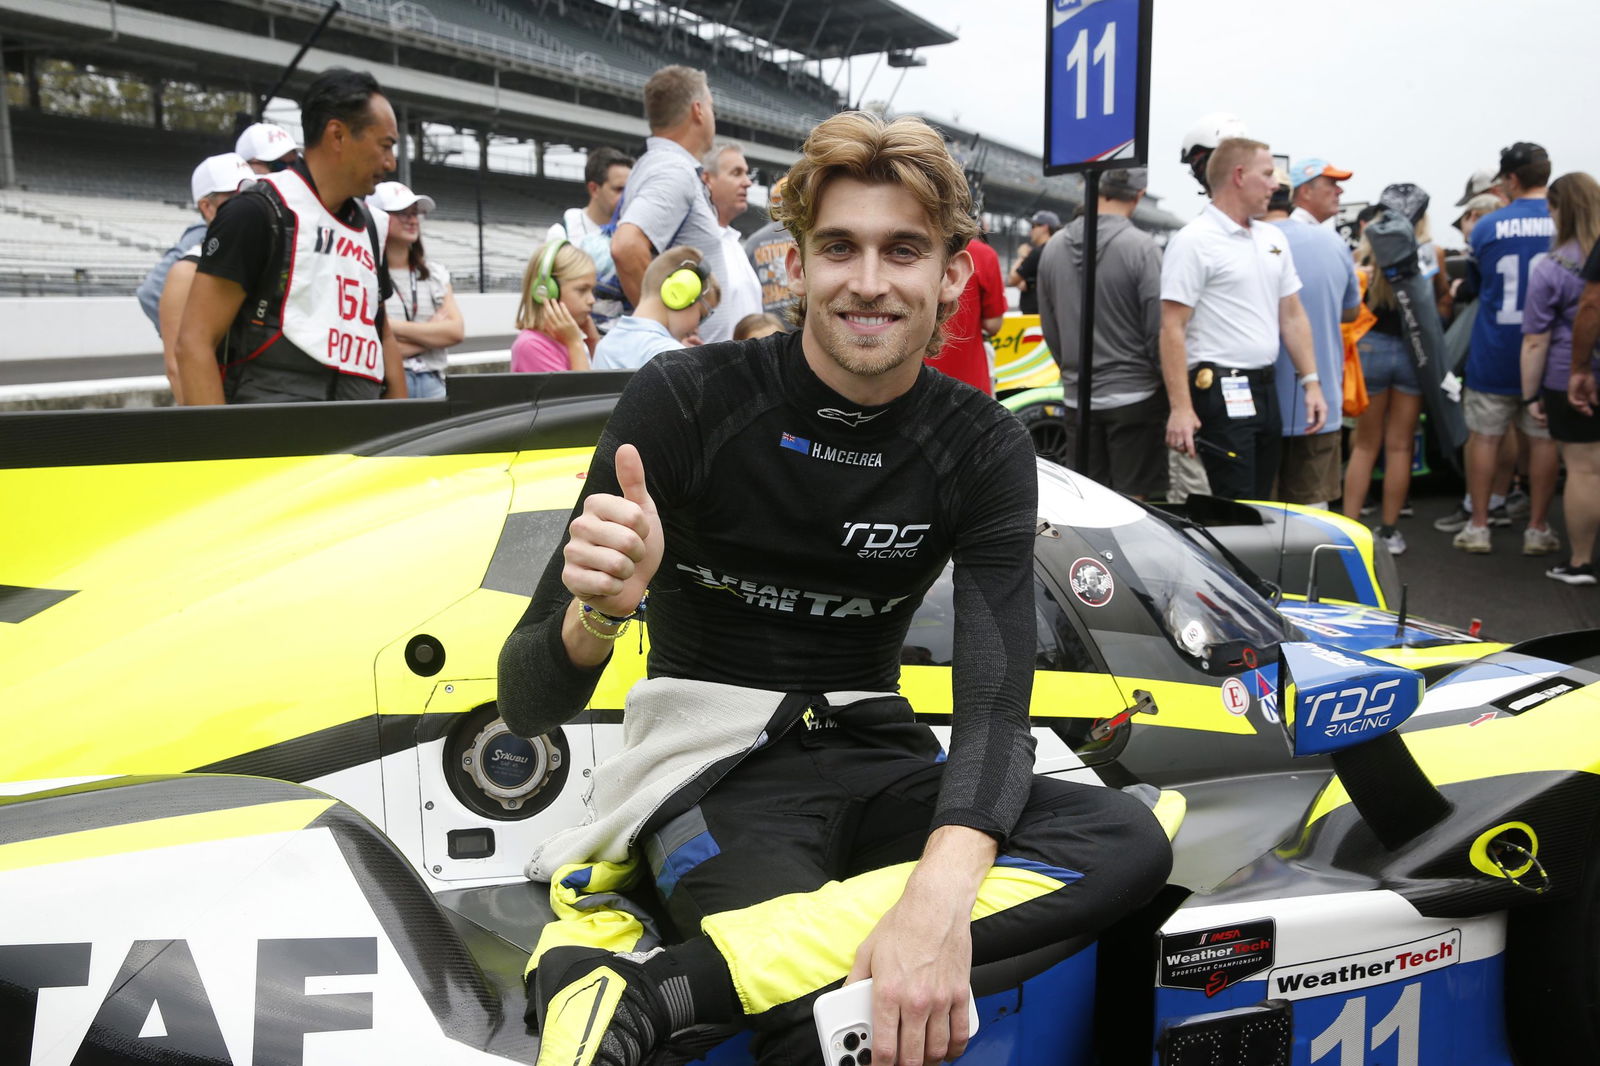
<point>1395,90</point>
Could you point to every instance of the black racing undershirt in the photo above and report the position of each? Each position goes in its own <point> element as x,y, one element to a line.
<point>801,533</point>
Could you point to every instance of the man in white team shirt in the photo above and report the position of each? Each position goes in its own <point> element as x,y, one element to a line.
<point>1228,293</point>
<point>727,177</point>
<point>287,300</point>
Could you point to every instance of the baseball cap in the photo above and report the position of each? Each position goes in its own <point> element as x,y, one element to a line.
<point>227,172</point>
<point>1303,170</point>
<point>265,142</point>
<point>392,196</point>
<point>1046,218</point>
<point>1520,155</point>
<point>1481,182</point>
<point>1130,179</point>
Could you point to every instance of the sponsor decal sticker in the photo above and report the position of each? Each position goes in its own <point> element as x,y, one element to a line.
<point>1539,692</point>
<point>1091,582</point>
<point>1365,969</point>
<point>1267,696</point>
<point>1235,697</point>
<point>1320,628</point>
<point>1209,960</point>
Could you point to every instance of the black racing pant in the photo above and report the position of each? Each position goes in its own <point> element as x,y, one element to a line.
<point>1255,441</point>
<point>829,803</point>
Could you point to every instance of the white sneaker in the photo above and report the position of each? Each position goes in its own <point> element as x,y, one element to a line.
<point>1474,539</point>
<point>1540,541</point>
<point>1390,538</point>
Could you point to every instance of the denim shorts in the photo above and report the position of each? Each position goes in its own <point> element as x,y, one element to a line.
<point>424,384</point>
<point>1386,364</point>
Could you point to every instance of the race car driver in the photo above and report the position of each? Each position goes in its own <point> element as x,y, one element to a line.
<point>787,502</point>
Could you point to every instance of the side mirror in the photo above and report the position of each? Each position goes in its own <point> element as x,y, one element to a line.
<point>1336,700</point>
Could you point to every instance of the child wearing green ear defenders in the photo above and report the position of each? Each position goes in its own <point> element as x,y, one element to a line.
<point>677,293</point>
<point>553,317</point>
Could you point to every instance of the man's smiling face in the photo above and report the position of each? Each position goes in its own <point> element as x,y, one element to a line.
<point>873,275</point>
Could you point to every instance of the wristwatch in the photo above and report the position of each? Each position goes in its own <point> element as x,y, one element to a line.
<point>1528,401</point>
<point>1312,378</point>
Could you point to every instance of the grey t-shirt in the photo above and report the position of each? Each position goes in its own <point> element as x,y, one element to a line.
<point>667,200</point>
<point>1127,322</point>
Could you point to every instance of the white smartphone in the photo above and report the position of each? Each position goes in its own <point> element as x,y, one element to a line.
<point>844,1023</point>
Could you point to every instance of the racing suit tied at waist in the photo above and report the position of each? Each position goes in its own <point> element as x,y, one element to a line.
<point>679,738</point>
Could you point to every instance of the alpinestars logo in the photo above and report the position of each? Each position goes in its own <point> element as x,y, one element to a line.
<point>849,418</point>
<point>884,540</point>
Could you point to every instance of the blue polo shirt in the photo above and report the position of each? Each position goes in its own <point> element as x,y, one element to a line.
<point>1504,245</point>
<point>1328,288</point>
<point>632,342</point>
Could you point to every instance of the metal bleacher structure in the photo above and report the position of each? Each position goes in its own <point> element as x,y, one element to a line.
<point>94,203</point>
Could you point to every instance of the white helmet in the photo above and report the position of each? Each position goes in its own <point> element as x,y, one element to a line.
<point>1210,131</point>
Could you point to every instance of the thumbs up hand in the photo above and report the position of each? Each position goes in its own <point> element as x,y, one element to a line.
<point>616,543</point>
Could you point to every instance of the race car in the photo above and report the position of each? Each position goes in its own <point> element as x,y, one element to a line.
<point>263,806</point>
<point>1307,552</point>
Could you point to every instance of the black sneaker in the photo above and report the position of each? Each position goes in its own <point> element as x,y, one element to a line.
<point>1572,575</point>
<point>596,1008</point>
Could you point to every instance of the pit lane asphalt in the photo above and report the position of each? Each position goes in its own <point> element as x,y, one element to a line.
<point>1506,589</point>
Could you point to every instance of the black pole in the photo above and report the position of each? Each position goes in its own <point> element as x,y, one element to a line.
<point>322,24</point>
<point>1091,235</point>
<point>483,164</point>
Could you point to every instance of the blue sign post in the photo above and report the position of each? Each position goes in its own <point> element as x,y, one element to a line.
<point>1096,117</point>
<point>1097,84</point>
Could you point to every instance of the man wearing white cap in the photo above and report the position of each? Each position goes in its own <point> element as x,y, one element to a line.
<point>1484,180</point>
<point>213,182</point>
<point>267,147</point>
<point>1309,471</point>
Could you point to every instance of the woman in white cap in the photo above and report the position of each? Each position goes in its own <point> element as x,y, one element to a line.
<point>422,308</point>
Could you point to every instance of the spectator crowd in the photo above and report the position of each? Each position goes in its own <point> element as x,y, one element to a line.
<point>1224,363</point>
<point>1227,363</point>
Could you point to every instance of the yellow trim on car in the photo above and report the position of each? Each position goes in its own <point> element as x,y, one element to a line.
<point>227,824</point>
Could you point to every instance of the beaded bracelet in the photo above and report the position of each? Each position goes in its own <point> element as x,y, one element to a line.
<point>596,631</point>
<point>610,620</point>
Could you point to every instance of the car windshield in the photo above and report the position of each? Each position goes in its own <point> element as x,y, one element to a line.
<point>1195,600</point>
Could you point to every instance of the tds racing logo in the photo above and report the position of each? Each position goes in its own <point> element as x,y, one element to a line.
<point>884,540</point>
<point>1356,709</point>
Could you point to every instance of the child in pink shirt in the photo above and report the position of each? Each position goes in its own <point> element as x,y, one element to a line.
<point>557,294</point>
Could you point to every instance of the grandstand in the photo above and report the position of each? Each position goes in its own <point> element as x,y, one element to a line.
<point>95,202</point>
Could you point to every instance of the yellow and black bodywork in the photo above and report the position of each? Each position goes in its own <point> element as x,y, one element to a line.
<point>316,596</point>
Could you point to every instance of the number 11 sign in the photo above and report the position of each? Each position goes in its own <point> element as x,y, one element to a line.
<point>1097,84</point>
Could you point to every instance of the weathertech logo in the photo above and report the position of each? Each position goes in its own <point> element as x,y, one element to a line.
<point>883,540</point>
<point>1380,966</point>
